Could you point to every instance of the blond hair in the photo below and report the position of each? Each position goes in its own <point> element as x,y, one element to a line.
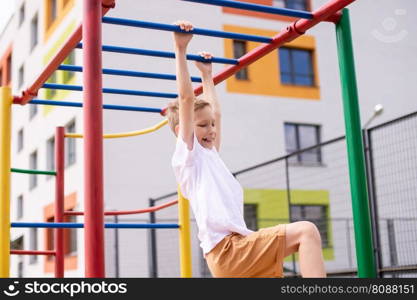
<point>173,111</point>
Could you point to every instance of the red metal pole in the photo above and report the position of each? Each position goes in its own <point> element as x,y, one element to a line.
<point>126,212</point>
<point>59,200</point>
<point>32,252</point>
<point>93,140</point>
<point>69,45</point>
<point>328,11</point>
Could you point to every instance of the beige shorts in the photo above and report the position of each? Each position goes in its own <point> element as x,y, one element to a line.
<point>259,254</point>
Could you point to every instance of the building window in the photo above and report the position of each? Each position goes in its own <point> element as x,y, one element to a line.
<point>291,4</point>
<point>70,60</point>
<point>251,216</point>
<point>33,244</point>
<point>52,11</point>
<point>21,76</point>
<point>33,165</point>
<point>22,14</point>
<point>300,136</point>
<point>33,110</point>
<point>50,155</point>
<point>50,238</point>
<point>315,214</point>
<point>70,145</point>
<point>20,207</point>
<point>70,244</point>
<point>296,66</point>
<point>70,237</point>
<point>34,32</point>
<point>17,244</point>
<point>240,49</point>
<point>20,268</point>
<point>20,140</point>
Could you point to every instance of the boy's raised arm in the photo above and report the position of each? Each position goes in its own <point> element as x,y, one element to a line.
<point>186,95</point>
<point>209,93</point>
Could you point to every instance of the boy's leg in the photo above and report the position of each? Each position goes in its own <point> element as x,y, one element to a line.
<point>304,237</point>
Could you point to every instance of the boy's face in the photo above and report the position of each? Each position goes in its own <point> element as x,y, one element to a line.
<point>205,127</point>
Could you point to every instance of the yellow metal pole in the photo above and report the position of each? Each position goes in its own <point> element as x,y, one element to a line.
<point>5,142</point>
<point>185,235</point>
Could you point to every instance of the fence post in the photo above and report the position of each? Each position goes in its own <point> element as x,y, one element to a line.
<point>372,200</point>
<point>153,259</point>
<point>116,250</point>
<point>287,180</point>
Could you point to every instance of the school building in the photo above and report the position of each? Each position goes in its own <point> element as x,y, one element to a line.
<point>288,100</point>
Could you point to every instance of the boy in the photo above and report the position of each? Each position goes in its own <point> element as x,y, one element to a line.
<point>216,197</point>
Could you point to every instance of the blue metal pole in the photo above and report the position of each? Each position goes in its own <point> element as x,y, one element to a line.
<point>69,87</point>
<point>105,106</point>
<point>145,52</point>
<point>257,7</point>
<point>72,68</point>
<point>81,225</point>
<point>198,31</point>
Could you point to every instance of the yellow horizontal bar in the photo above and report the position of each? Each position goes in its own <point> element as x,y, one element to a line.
<point>124,134</point>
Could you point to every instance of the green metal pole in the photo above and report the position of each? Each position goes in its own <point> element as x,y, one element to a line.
<point>360,205</point>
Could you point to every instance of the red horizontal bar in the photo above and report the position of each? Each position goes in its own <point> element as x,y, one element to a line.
<point>328,12</point>
<point>126,212</point>
<point>56,61</point>
<point>32,252</point>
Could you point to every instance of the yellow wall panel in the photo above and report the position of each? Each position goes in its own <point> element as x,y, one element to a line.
<point>264,74</point>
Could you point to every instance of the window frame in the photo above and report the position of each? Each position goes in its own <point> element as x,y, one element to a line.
<point>34,32</point>
<point>70,145</point>
<point>33,244</point>
<point>22,13</point>
<point>33,110</point>
<point>50,155</point>
<point>293,72</point>
<point>70,257</point>
<point>33,165</point>
<point>251,220</point>
<point>20,207</point>
<point>52,12</point>
<point>285,2</point>
<point>299,160</point>
<point>242,74</point>
<point>52,18</point>
<point>20,140</point>
<point>70,237</point>
<point>21,76</point>
<point>264,15</point>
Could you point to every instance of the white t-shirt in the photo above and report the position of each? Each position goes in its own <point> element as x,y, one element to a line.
<point>215,196</point>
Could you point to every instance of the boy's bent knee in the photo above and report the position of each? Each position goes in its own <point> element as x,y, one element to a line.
<point>309,229</point>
